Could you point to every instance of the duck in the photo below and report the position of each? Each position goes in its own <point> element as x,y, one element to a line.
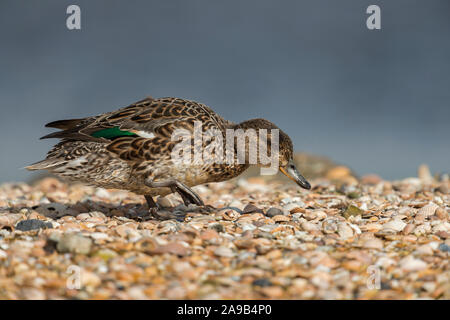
<point>134,149</point>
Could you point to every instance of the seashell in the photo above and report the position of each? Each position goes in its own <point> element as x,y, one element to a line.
<point>373,243</point>
<point>281,218</point>
<point>395,225</point>
<point>408,229</point>
<point>444,227</point>
<point>329,226</point>
<point>345,231</point>
<point>441,214</point>
<point>411,264</point>
<point>230,215</point>
<point>251,208</point>
<point>309,226</point>
<point>294,207</point>
<point>428,210</point>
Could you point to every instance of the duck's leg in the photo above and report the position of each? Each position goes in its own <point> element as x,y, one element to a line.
<point>152,206</point>
<point>186,193</point>
<point>151,203</point>
<point>189,197</point>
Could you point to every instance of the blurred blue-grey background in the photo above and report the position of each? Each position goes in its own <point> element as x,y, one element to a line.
<point>377,101</point>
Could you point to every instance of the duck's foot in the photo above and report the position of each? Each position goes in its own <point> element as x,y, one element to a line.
<point>164,213</point>
<point>200,208</point>
<point>192,202</point>
<point>186,193</point>
<point>168,214</point>
<point>178,213</point>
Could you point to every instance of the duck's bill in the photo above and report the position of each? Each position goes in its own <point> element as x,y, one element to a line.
<point>294,175</point>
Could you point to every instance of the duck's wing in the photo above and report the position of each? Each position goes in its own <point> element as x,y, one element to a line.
<point>142,130</point>
<point>85,129</point>
<point>156,125</point>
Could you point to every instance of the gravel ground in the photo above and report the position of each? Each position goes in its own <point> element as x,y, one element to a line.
<point>372,239</point>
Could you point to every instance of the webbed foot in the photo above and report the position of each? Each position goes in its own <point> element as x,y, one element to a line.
<point>168,214</point>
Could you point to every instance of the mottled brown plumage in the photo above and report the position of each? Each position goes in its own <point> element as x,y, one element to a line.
<point>131,148</point>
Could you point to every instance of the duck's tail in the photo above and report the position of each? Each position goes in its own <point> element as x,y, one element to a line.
<point>48,164</point>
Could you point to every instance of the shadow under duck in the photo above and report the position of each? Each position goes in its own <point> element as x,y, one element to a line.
<point>131,149</point>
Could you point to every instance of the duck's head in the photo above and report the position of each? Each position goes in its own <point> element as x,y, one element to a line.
<point>286,150</point>
<point>287,165</point>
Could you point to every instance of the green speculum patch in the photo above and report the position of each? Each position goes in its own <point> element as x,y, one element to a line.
<point>112,133</point>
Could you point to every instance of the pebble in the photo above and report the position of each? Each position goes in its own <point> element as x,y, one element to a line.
<point>293,207</point>
<point>55,210</point>
<point>429,286</point>
<point>106,254</point>
<point>373,243</point>
<point>251,208</point>
<point>441,214</point>
<point>74,243</point>
<point>309,226</point>
<point>443,247</point>
<point>310,251</point>
<point>444,188</point>
<point>90,279</point>
<point>99,236</point>
<point>164,202</point>
<point>236,204</point>
<point>230,215</point>
<point>176,248</point>
<point>281,218</point>
<point>428,210</point>
<point>408,229</point>
<point>443,234</point>
<point>330,226</point>
<point>262,282</point>
<point>395,225</point>
<point>33,224</point>
<point>352,211</point>
<point>248,227</point>
<point>217,227</point>
<point>272,292</point>
<point>209,235</point>
<point>441,227</point>
<point>9,219</point>
<point>316,215</point>
<point>345,231</point>
<point>412,264</point>
<point>272,212</point>
<point>224,252</point>
<point>124,230</point>
<point>424,250</point>
<point>33,294</point>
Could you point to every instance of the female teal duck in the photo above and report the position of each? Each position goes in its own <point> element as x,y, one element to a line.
<point>132,149</point>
